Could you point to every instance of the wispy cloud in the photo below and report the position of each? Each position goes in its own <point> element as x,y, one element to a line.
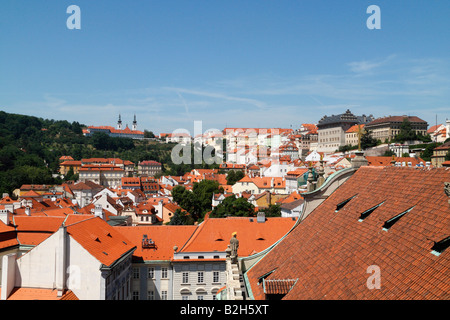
<point>390,85</point>
<point>366,66</point>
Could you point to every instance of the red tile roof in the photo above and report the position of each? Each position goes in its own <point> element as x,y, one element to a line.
<point>215,234</point>
<point>165,238</point>
<point>40,294</point>
<point>386,161</point>
<point>330,252</point>
<point>355,128</point>
<point>101,240</point>
<point>396,119</point>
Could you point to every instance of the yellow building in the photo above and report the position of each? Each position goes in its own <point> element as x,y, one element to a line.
<point>439,154</point>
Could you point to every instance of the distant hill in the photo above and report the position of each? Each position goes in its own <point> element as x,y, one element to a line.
<point>30,148</point>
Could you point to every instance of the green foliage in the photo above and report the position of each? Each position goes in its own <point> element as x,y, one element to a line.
<point>367,141</point>
<point>27,141</point>
<point>406,133</point>
<point>232,206</point>
<point>149,134</point>
<point>274,210</point>
<point>234,176</point>
<point>198,201</point>
<point>428,152</point>
<point>181,217</point>
<point>447,156</point>
<point>389,153</point>
<point>102,141</point>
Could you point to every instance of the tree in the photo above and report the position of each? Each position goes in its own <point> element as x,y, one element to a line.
<point>181,217</point>
<point>367,141</point>
<point>389,153</point>
<point>149,134</point>
<point>234,176</point>
<point>447,156</point>
<point>274,210</point>
<point>233,206</point>
<point>406,133</point>
<point>428,152</point>
<point>198,201</point>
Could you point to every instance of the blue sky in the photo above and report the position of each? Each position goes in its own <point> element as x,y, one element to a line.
<point>235,63</point>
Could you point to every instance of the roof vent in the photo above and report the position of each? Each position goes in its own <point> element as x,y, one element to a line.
<point>261,217</point>
<point>389,223</point>
<point>339,206</point>
<point>366,213</point>
<point>440,246</point>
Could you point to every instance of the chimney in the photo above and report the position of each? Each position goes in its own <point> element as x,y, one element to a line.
<point>268,198</point>
<point>60,260</point>
<point>98,211</point>
<point>8,275</point>
<point>159,209</point>
<point>261,217</point>
<point>4,216</point>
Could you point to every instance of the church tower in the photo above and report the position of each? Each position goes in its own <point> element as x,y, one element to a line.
<point>119,123</point>
<point>134,127</point>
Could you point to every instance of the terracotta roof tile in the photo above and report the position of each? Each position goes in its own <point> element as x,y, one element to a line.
<point>165,238</point>
<point>329,252</point>
<point>101,240</point>
<point>208,235</point>
<point>40,294</point>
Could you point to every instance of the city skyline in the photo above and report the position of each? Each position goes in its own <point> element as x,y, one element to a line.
<point>227,63</point>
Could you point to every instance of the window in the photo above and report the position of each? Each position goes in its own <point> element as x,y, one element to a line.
<point>216,276</point>
<point>185,277</point>
<point>135,295</point>
<point>163,295</point>
<point>150,295</point>
<point>135,273</point>
<point>184,297</point>
<point>200,297</point>
<point>164,273</point>
<point>151,273</point>
<point>200,277</point>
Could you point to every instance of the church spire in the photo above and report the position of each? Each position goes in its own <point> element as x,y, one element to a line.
<point>119,123</point>
<point>134,127</point>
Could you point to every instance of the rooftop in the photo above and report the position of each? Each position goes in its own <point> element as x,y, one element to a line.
<point>389,217</point>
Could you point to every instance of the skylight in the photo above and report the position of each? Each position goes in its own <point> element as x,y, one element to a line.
<point>440,246</point>
<point>389,223</point>
<point>366,213</point>
<point>343,203</point>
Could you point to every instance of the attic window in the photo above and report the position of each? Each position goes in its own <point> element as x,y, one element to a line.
<point>343,203</point>
<point>109,235</point>
<point>389,223</point>
<point>366,213</point>
<point>440,246</point>
<point>97,239</point>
